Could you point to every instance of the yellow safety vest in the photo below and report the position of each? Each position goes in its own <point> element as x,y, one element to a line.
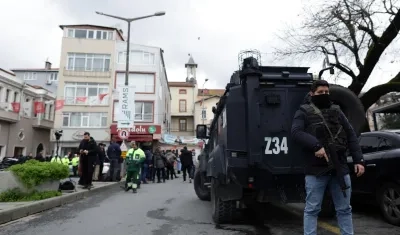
<point>75,161</point>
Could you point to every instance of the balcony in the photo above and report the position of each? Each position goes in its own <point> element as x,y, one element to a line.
<point>8,116</point>
<point>84,72</point>
<point>42,123</point>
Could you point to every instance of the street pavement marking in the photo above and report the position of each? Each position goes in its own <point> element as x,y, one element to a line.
<point>329,227</point>
<point>322,224</point>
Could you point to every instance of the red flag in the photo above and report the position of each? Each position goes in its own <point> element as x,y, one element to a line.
<point>101,96</point>
<point>81,99</point>
<point>38,107</point>
<point>59,104</point>
<point>16,107</point>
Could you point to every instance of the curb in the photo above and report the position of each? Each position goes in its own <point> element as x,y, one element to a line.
<point>50,203</point>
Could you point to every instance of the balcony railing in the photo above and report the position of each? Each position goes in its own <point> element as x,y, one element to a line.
<point>87,100</point>
<point>85,72</point>
<point>42,123</point>
<point>7,114</point>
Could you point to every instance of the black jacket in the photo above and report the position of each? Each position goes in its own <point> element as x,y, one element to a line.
<point>92,148</point>
<point>308,141</point>
<point>186,158</point>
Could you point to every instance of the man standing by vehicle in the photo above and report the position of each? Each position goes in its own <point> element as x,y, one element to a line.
<point>187,163</point>
<point>318,126</point>
<point>114,154</point>
<point>134,159</point>
<point>88,150</point>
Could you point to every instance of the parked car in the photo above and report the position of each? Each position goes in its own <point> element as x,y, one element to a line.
<point>380,184</point>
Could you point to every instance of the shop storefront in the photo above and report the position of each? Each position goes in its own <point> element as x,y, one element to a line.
<point>146,135</point>
<point>71,139</point>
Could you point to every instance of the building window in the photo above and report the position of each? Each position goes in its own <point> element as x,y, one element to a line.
<point>137,57</point>
<point>144,82</point>
<point>84,119</point>
<point>7,96</point>
<point>53,77</point>
<point>143,111</point>
<point>182,125</point>
<point>88,62</point>
<point>16,97</point>
<point>90,34</point>
<point>203,114</point>
<point>182,91</point>
<point>182,105</point>
<point>30,76</point>
<point>86,93</point>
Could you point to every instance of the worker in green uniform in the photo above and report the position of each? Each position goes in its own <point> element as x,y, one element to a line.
<point>134,160</point>
<point>75,164</point>
<point>65,161</point>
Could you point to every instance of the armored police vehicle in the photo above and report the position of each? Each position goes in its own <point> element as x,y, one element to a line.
<point>249,156</point>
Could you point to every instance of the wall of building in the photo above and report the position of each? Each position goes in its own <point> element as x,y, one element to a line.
<point>41,78</point>
<point>208,104</point>
<point>189,97</point>
<point>175,126</point>
<point>146,60</point>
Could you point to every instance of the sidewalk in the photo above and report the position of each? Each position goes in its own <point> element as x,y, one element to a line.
<point>10,211</point>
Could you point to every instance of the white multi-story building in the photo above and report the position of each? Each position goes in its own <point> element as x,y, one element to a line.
<point>85,81</point>
<point>26,117</point>
<point>152,96</point>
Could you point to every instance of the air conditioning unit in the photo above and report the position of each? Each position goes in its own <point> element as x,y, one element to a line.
<point>49,82</point>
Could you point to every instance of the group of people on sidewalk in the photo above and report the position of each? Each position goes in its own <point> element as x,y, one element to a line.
<point>139,166</point>
<point>144,166</point>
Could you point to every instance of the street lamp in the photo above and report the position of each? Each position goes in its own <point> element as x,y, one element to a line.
<point>129,20</point>
<point>202,100</point>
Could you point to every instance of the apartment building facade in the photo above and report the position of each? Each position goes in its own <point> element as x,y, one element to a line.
<point>184,96</point>
<point>206,99</point>
<point>152,95</point>
<point>26,117</point>
<point>46,77</point>
<point>85,83</point>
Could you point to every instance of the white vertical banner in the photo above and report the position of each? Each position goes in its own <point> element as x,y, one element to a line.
<point>126,103</point>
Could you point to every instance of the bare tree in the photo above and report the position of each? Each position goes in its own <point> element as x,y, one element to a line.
<point>349,29</point>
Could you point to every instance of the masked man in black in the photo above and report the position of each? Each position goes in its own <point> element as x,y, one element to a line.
<point>88,151</point>
<point>325,135</point>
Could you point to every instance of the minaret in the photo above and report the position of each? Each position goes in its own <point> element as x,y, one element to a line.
<point>191,70</point>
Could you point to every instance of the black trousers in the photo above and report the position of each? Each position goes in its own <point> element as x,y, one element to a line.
<point>87,170</point>
<point>187,169</point>
<point>160,171</point>
<point>115,169</point>
<point>100,176</point>
<point>171,172</point>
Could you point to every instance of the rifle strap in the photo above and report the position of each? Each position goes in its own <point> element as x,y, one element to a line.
<point>319,113</point>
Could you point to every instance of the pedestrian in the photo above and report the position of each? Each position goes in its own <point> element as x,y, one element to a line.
<point>102,158</point>
<point>187,163</point>
<point>178,160</point>
<point>170,165</point>
<point>75,164</point>
<point>146,166</point>
<point>159,165</point>
<point>311,129</point>
<point>114,154</point>
<point>39,157</point>
<point>134,159</point>
<point>88,151</point>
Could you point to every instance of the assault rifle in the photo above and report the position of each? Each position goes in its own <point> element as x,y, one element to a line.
<point>334,164</point>
<point>331,152</point>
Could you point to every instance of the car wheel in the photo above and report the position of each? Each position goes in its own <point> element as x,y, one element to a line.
<point>389,202</point>
<point>202,192</point>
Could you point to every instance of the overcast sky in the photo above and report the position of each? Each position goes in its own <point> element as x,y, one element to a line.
<point>30,31</point>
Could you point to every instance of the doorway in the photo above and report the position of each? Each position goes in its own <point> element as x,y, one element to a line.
<point>39,149</point>
<point>18,151</point>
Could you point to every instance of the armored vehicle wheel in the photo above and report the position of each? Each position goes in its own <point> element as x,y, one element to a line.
<point>202,191</point>
<point>351,106</point>
<point>222,211</point>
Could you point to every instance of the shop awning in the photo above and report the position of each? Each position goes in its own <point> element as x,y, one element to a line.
<point>139,138</point>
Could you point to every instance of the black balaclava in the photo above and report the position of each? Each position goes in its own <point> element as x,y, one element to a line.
<point>321,101</point>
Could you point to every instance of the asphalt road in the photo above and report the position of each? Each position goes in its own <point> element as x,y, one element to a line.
<point>161,209</point>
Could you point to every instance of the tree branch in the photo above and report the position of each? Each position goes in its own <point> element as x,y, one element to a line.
<point>374,53</point>
<point>373,94</point>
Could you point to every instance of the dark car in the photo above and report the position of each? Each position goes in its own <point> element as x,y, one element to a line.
<point>381,181</point>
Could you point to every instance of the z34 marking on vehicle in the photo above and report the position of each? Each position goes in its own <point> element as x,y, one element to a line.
<point>278,147</point>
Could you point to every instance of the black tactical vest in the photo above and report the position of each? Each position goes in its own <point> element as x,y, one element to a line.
<point>319,129</point>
